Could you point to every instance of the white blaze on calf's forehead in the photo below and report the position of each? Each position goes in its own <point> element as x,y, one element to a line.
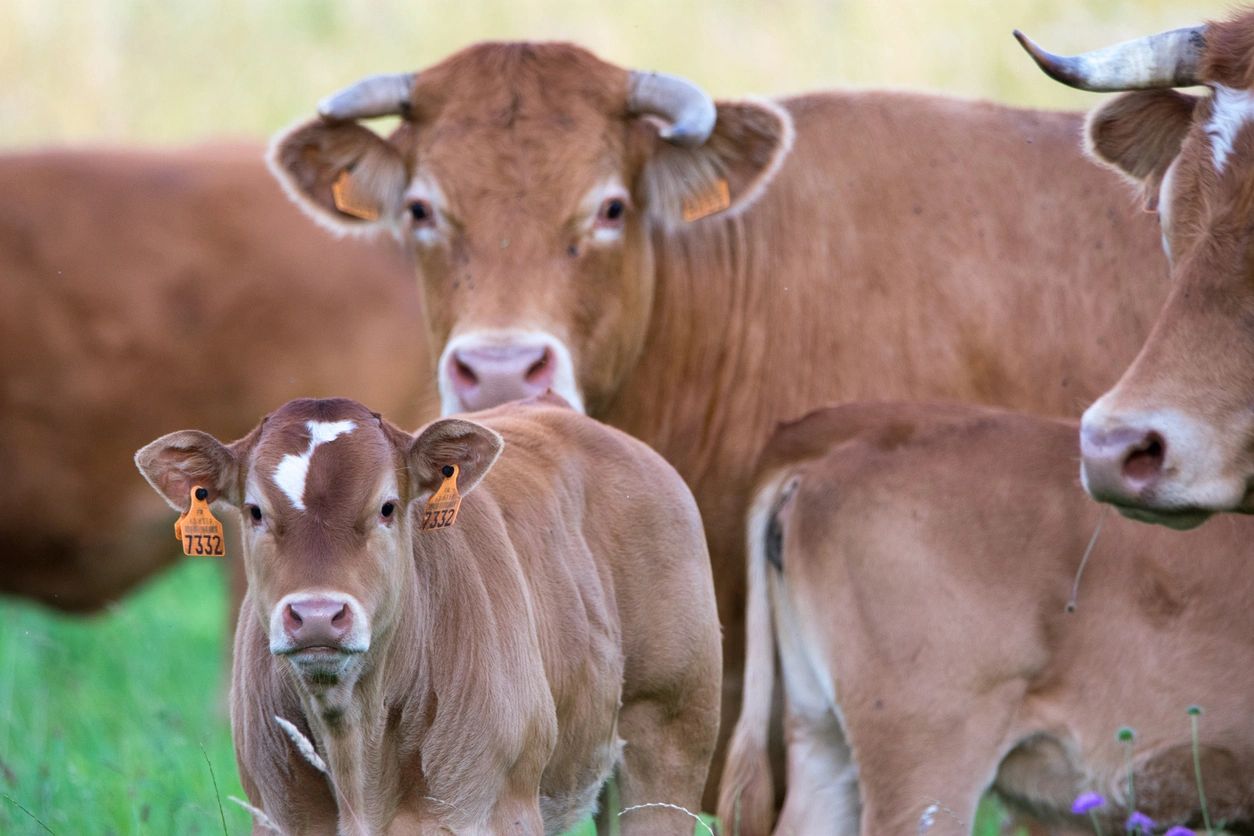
<point>1231,110</point>
<point>293,469</point>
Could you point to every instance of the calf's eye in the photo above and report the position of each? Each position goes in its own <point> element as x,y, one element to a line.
<point>387,509</point>
<point>612,212</point>
<point>255,513</point>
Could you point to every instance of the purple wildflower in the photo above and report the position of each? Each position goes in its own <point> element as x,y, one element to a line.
<point>1179,831</point>
<point>1085,802</point>
<point>1139,822</point>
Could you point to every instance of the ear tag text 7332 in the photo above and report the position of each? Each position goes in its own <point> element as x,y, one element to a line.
<point>441,509</point>
<point>199,530</point>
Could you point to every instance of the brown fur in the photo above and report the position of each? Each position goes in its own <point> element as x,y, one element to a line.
<point>926,555</point>
<point>904,246</point>
<point>144,290</point>
<point>570,608</point>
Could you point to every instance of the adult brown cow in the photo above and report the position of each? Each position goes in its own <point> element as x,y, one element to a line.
<point>874,245</point>
<point>913,564</point>
<point>1173,441</point>
<point>480,676</point>
<point>144,290</point>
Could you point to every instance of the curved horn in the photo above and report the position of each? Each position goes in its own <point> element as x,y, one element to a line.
<point>689,112</point>
<point>1168,59</point>
<point>376,95</point>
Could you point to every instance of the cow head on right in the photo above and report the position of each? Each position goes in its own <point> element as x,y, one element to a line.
<point>1173,441</point>
<point>529,181</point>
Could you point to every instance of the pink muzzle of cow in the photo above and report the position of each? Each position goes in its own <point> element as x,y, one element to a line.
<point>483,369</point>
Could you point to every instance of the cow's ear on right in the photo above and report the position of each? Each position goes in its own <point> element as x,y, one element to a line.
<point>178,462</point>
<point>347,177</point>
<point>447,441</point>
<point>1139,134</point>
<point>726,173</point>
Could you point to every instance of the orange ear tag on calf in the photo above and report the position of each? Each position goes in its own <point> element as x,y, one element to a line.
<point>199,530</point>
<point>441,509</point>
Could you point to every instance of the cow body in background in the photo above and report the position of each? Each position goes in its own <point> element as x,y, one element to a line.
<point>144,290</point>
<point>484,677</point>
<point>1173,441</point>
<point>874,245</point>
<point>913,565</point>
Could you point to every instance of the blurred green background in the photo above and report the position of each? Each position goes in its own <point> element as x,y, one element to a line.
<point>115,724</point>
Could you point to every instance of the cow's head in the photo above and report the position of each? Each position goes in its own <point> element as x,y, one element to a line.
<point>528,181</point>
<point>324,488</point>
<point>1173,441</point>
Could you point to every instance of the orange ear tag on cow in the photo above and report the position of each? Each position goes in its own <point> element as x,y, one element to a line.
<point>709,202</point>
<point>441,509</point>
<point>349,201</point>
<point>199,530</point>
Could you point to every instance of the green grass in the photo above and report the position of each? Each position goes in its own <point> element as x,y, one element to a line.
<point>103,720</point>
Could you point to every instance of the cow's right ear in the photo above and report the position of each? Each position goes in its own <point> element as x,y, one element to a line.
<point>1139,134</point>
<point>175,463</point>
<point>347,177</point>
<point>472,447</point>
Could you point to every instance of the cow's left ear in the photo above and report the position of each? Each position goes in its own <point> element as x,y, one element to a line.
<point>345,176</point>
<point>472,447</point>
<point>726,173</point>
<point>178,462</point>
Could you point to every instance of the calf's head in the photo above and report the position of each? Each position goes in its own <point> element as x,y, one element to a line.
<point>528,181</point>
<point>325,489</point>
<point>1173,441</point>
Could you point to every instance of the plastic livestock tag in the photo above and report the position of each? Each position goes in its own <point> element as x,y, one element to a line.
<point>199,530</point>
<point>710,202</point>
<point>349,201</point>
<point>441,509</point>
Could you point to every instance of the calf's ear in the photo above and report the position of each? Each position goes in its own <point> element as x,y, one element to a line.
<point>726,173</point>
<point>346,177</point>
<point>175,463</point>
<point>472,447</point>
<point>1139,134</point>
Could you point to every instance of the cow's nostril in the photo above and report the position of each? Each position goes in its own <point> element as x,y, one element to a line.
<point>294,616</point>
<point>341,616</point>
<point>538,367</point>
<point>464,372</point>
<point>1145,461</point>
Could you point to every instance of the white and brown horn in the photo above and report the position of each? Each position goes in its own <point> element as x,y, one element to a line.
<point>1168,59</point>
<point>376,95</point>
<point>688,111</point>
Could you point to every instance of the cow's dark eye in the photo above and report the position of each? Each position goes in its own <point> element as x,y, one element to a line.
<point>255,513</point>
<point>421,212</point>
<point>387,510</point>
<point>612,212</point>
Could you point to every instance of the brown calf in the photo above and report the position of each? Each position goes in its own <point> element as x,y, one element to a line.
<point>1173,441</point>
<point>482,678</point>
<point>146,290</point>
<point>912,564</point>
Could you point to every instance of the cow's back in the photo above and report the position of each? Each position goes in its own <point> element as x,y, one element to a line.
<point>149,290</point>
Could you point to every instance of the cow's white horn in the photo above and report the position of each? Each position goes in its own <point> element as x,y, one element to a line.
<point>1168,59</point>
<point>376,95</point>
<point>688,111</point>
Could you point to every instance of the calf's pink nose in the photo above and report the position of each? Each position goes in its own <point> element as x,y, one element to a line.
<point>317,622</point>
<point>1121,463</point>
<point>488,375</point>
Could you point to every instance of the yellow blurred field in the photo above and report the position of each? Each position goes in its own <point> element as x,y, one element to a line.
<point>144,70</point>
